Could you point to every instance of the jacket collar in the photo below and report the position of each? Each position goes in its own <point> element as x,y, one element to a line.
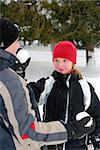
<point>7,59</point>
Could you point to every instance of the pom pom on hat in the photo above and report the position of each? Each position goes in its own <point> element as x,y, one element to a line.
<point>8,33</point>
<point>65,49</point>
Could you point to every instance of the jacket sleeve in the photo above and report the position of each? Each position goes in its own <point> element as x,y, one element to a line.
<point>94,111</point>
<point>27,129</point>
<point>37,87</point>
<point>42,89</point>
<point>91,105</point>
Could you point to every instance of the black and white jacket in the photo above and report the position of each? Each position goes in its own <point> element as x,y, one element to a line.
<point>64,98</point>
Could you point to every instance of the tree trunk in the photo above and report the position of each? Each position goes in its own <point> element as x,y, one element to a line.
<point>89,47</point>
<point>52,45</point>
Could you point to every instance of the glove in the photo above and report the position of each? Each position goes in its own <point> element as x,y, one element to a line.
<point>39,85</point>
<point>20,68</point>
<point>24,60</point>
<point>79,127</point>
<point>82,115</point>
<point>56,75</point>
<point>96,141</point>
<point>25,64</point>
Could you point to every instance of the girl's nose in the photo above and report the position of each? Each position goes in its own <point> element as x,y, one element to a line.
<point>61,64</point>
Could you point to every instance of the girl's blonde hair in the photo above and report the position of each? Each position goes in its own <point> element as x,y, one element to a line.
<point>77,72</point>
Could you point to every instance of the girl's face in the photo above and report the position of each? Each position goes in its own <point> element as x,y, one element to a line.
<point>62,65</point>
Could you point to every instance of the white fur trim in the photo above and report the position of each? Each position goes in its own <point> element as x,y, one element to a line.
<point>22,56</point>
<point>87,93</point>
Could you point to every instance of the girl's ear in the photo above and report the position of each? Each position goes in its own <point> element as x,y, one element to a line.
<point>73,68</point>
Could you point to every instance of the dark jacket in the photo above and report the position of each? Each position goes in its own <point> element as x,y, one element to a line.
<point>65,101</point>
<point>6,139</point>
<point>17,120</point>
<point>20,68</point>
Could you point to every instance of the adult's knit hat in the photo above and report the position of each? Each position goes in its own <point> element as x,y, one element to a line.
<point>65,49</point>
<point>8,33</point>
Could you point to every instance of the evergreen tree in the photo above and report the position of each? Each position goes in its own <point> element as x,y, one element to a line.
<point>55,20</point>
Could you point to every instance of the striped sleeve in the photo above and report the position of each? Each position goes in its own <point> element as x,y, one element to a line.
<point>22,117</point>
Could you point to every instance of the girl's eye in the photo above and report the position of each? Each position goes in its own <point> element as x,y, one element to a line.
<point>64,60</point>
<point>56,60</point>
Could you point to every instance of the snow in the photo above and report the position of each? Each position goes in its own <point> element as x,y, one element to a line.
<point>41,66</point>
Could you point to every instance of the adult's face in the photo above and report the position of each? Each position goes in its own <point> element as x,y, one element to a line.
<point>13,47</point>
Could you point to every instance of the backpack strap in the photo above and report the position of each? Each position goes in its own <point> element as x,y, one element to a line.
<point>87,93</point>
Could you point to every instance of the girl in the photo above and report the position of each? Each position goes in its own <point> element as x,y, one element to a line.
<point>68,95</point>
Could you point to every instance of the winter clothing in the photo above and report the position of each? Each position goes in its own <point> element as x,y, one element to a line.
<point>8,33</point>
<point>19,66</point>
<point>65,49</point>
<point>17,120</point>
<point>64,100</point>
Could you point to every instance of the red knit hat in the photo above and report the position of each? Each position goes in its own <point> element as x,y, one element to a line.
<point>65,49</point>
